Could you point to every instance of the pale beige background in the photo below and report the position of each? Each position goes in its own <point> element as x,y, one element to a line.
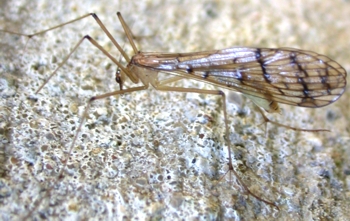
<point>135,156</point>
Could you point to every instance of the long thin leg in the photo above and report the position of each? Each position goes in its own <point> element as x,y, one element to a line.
<point>267,120</point>
<point>74,49</point>
<point>223,96</point>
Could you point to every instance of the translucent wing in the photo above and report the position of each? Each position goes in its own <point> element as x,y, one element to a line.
<point>283,75</point>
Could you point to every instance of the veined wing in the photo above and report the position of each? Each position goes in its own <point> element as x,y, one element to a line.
<point>284,75</point>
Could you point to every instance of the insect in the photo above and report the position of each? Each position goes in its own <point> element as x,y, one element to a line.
<point>266,76</point>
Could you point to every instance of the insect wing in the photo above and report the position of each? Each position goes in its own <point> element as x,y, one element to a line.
<point>284,75</point>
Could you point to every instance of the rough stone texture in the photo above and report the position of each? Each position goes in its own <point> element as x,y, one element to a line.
<point>157,155</point>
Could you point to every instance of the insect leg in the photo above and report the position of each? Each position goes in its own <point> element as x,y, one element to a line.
<point>74,49</point>
<point>267,120</point>
<point>223,96</point>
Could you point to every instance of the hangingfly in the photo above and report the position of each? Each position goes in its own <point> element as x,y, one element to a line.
<point>266,76</point>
